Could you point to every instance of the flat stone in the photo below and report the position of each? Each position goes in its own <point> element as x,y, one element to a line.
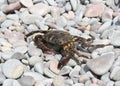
<point>39,9</point>
<point>99,65</point>
<point>94,10</point>
<point>17,55</point>
<point>13,68</point>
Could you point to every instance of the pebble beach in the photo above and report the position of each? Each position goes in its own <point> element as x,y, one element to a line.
<point>23,64</point>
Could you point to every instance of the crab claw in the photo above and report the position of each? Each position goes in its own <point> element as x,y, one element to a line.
<point>63,61</point>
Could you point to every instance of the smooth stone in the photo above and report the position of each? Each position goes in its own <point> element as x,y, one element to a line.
<point>17,55</point>
<point>39,67</point>
<point>2,78</point>
<point>26,3</point>
<point>34,51</point>
<point>75,71</point>
<point>115,36</point>
<point>59,81</point>
<point>65,70</point>
<point>36,76</point>
<point>61,21</point>
<point>28,18</point>
<point>105,26</point>
<point>14,17</point>
<point>74,4</point>
<point>73,31</point>
<point>117,83</point>
<point>107,14</point>
<point>105,77</point>
<point>84,78</point>
<point>94,10</point>
<point>69,82</point>
<point>53,67</point>
<point>24,61</point>
<point>110,83</point>
<point>52,2</point>
<point>7,23</point>
<point>7,55</point>
<point>115,73</point>
<point>39,9</point>
<point>68,6</point>
<point>13,68</point>
<point>41,25</point>
<point>34,59</point>
<point>32,27</point>
<point>49,73</point>
<point>26,81</point>
<point>99,65</point>
<point>78,84</point>
<point>11,82</point>
<point>55,11</point>
<point>21,49</point>
<point>102,51</point>
<point>70,15</point>
<point>72,63</point>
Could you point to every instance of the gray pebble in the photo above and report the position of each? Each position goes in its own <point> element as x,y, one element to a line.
<point>17,55</point>
<point>26,81</point>
<point>39,67</point>
<point>13,68</point>
<point>99,65</point>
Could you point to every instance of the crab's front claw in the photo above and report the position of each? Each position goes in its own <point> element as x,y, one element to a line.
<point>63,61</point>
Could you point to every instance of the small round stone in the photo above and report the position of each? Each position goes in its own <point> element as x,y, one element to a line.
<point>39,67</point>
<point>13,68</point>
<point>17,55</point>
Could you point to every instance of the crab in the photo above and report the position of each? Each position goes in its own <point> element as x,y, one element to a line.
<point>61,42</point>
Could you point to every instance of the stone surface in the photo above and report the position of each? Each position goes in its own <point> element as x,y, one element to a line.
<point>13,68</point>
<point>58,81</point>
<point>27,3</point>
<point>99,65</point>
<point>40,9</point>
<point>95,10</point>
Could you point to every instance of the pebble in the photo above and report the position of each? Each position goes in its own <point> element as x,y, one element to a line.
<point>7,23</point>
<point>21,49</point>
<point>84,78</point>
<point>52,2</point>
<point>39,9</point>
<point>36,76</point>
<point>17,55</point>
<point>74,4</point>
<point>61,21</point>
<point>32,27</point>
<point>59,81</point>
<point>94,10</point>
<point>105,77</point>
<point>7,55</point>
<point>68,6</point>
<point>115,73</point>
<point>34,59</point>
<point>13,17</point>
<point>26,3</point>
<point>65,70</point>
<point>96,65</point>
<point>117,83</point>
<point>13,68</point>
<point>39,67</point>
<point>2,77</point>
<point>26,81</point>
<point>11,82</point>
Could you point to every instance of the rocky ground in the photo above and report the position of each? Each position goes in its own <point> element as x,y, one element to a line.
<point>22,64</point>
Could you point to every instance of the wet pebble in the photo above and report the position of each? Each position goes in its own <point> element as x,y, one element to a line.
<point>13,68</point>
<point>99,65</point>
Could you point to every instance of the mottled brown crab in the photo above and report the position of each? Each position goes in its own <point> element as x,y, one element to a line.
<point>59,41</point>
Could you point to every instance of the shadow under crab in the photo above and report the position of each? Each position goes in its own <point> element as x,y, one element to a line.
<point>59,41</point>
